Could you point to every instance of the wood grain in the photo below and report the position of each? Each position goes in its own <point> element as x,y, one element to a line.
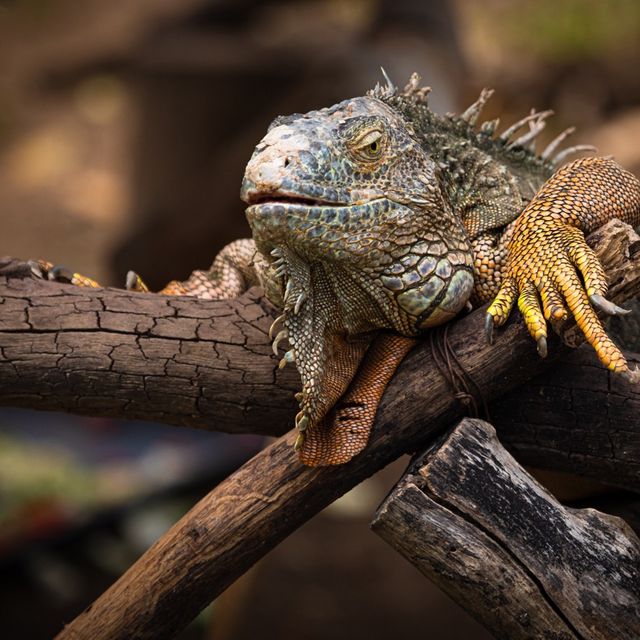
<point>476,523</point>
<point>209,364</point>
<point>575,417</point>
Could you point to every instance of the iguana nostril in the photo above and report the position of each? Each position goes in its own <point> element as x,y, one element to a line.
<point>287,162</point>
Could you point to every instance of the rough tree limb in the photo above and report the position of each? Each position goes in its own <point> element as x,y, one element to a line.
<point>480,527</point>
<point>270,496</point>
<point>110,352</point>
<point>209,365</point>
<point>576,417</point>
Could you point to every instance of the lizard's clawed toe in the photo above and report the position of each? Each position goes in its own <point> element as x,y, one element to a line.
<point>59,273</point>
<point>541,345</point>
<point>606,306</point>
<point>38,268</point>
<point>300,440</point>
<point>134,282</point>
<point>488,328</point>
<point>632,375</point>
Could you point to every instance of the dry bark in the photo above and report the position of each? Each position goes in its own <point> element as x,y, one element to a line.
<point>110,352</point>
<point>273,494</point>
<point>209,364</point>
<point>219,373</point>
<point>478,525</point>
<point>576,417</point>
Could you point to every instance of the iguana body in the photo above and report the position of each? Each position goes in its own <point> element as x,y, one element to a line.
<point>377,214</point>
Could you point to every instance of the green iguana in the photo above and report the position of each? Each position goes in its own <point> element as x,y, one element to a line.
<point>377,214</point>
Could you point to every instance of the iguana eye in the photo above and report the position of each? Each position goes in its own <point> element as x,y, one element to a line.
<point>369,146</point>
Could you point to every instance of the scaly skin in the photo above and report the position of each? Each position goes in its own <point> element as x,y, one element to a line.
<point>377,214</point>
<point>548,251</point>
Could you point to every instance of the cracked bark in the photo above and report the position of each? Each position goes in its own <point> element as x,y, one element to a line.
<point>110,352</point>
<point>480,527</point>
<point>273,494</point>
<point>576,417</point>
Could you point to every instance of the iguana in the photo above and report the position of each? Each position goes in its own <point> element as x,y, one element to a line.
<point>376,219</point>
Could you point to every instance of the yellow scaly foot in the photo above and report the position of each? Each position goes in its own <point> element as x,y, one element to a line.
<point>550,266</point>
<point>57,273</point>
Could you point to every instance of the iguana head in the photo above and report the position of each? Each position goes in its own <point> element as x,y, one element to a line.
<point>342,159</point>
<point>347,206</point>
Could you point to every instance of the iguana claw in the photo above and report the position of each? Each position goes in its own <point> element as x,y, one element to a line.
<point>488,328</point>
<point>134,282</point>
<point>632,375</point>
<point>606,306</point>
<point>300,440</point>
<point>541,346</point>
<point>59,273</point>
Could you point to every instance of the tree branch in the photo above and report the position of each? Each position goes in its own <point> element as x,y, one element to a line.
<point>109,352</point>
<point>478,525</point>
<point>189,362</point>
<point>271,495</point>
<point>209,364</point>
<point>576,417</point>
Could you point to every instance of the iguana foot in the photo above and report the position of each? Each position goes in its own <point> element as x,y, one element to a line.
<point>57,273</point>
<point>543,278</point>
<point>550,266</point>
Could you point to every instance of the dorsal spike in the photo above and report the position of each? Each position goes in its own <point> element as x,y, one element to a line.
<point>535,127</point>
<point>507,133</point>
<point>391,88</point>
<point>471,114</point>
<point>489,126</point>
<point>413,85</point>
<point>561,157</point>
<point>414,91</point>
<point>531,143</point>
<point>541,124</point>
<point>553,145</point>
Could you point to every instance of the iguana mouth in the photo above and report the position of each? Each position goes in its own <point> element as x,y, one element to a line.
<point>310,203</point>
<point>267,204</point>
<point>292,199</point>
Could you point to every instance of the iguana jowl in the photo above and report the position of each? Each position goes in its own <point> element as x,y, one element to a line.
<point>378,214</point>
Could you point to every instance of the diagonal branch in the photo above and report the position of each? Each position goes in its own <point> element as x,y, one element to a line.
<point>270,496</point>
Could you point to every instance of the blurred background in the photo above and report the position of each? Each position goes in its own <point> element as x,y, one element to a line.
<point>124,131</point>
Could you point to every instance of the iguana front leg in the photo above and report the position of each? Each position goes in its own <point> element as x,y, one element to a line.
<point>236,268</point>
<point>550,266</point>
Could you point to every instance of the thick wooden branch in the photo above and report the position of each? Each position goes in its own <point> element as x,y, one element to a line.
<point>270,496</point>
<point>576,417</point>
<point>110,352</point>
<point>478,525</point>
